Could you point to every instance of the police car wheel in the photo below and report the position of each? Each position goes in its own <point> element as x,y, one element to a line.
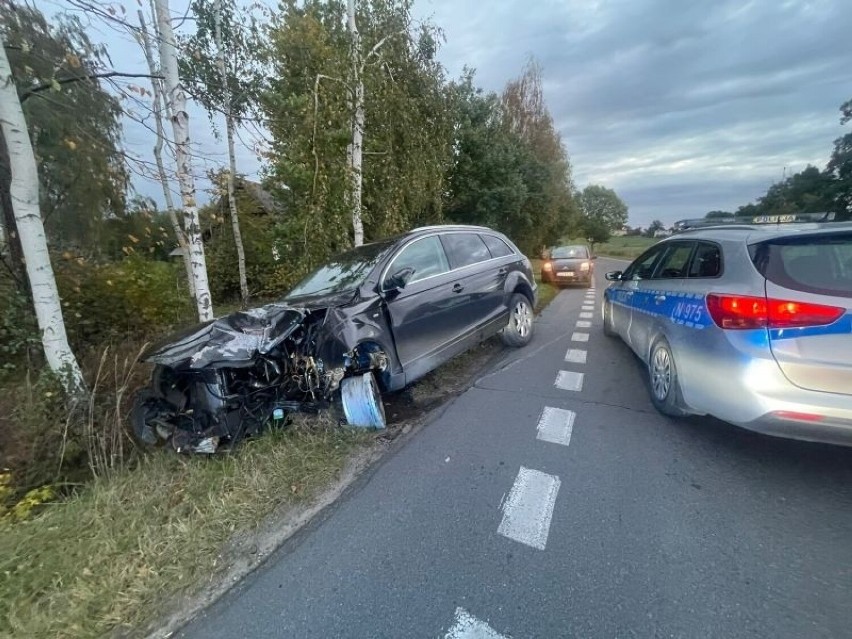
<point>662,376</point>
<point>608,328</point>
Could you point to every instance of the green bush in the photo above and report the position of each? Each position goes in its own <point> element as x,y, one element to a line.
<point>264,240</point>
<point>135,297</point>
<point>18,330</point>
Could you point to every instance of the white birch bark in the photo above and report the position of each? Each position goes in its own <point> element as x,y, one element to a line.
<point>355,152</point>
<point>25,205</point>
<point>232,160</point>
<point>176,101</point>
<point>156,85</point>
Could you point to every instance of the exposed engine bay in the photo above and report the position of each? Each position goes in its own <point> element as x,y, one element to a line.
<point>232,377</point>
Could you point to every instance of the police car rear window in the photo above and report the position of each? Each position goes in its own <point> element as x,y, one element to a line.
<point>820,264</point>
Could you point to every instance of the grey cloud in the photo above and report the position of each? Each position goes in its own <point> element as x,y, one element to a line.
<point>679,106</point>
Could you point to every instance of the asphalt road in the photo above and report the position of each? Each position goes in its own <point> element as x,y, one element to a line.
<point>637,525</point>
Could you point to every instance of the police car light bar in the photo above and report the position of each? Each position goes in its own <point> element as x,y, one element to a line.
<point>792,218</point>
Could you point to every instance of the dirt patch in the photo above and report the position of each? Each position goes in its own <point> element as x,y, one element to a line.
<point>453,378</point>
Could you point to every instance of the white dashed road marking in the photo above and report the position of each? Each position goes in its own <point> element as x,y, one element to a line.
<point>467,626</point>
<point>570,381</point>
<point>555,425</point>
<point>583,324</point>
<point>586,315</point>
<point>529,508</point>
<point>587,307</point>
<point>576,356</point>
<point>580,337</point>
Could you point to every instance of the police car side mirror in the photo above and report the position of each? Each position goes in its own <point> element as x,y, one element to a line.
<point>613,276</point>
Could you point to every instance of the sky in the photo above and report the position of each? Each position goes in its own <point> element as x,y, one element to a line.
<point>681,107</point>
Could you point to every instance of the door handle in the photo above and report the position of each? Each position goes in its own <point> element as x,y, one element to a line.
<point>503,271</point>
<point>659,299</point>
<point>457,288</point>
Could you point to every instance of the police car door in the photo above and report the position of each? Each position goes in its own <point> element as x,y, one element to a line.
<point>656,296</point>
<point>620,294</point>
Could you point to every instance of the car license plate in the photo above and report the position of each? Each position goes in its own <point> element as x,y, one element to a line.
<point>565,274</point>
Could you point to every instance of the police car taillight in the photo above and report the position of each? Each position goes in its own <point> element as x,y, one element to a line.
<point>740,312</point>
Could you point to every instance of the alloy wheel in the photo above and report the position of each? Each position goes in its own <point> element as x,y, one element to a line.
<point>661,373</point>
<point>522,318</point>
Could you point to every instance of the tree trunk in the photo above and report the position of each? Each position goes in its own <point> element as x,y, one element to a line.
<point>180,124</point>
<point>232,160</point>
<point>10,243</point>
<point>24,196</point>
<point>156,85</point>
<point>355,152</point>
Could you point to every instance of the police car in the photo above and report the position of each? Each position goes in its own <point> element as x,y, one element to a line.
<point>749,323</point>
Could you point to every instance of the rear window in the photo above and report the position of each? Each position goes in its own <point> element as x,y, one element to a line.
<point>820,264</point>
<point>567,252</point>
<point>465,249</point>
<point>496,246</point>
<point>707,261</point>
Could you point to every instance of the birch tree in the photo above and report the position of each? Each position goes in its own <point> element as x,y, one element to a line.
<point>404,131</point>
<point>158,109</point>
<point>355,150</point>
<point>232,160</point>
<point>176,101</point>
<point>222,70</point>
<point>24,191</point>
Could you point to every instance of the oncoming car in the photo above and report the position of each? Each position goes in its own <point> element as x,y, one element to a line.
<point>370,320</point>
<point>750,324</point>
<point>568,265</point>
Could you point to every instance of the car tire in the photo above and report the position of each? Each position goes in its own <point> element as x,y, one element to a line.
<point>608,328</point>
<point>519,330</point>
<point>663,382</point>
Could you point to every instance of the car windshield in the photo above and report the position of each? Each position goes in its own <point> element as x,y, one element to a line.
<point>344,272</point>
<point>563,252</point>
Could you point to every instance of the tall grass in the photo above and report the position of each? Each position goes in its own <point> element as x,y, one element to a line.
<point>102,560</point>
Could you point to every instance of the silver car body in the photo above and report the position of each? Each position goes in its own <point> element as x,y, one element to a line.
<point>793,381</point>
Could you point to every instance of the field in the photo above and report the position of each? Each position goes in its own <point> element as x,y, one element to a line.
<point>625,247</point>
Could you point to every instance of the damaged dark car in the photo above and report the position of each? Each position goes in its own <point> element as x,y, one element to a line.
<point>371,320</point>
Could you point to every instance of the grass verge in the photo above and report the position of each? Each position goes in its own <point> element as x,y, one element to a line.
<point>546,292</point>
<point>103,560</point>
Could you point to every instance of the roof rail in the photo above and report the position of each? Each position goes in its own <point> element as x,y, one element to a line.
<point>431,227</point>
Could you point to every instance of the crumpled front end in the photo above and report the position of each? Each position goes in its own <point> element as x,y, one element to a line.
<point>231,378</point>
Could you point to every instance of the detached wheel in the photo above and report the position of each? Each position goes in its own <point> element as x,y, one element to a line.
<point>662,376</point>
<point>362,401</point>
<point>519,330</point>
<point>608,328</point>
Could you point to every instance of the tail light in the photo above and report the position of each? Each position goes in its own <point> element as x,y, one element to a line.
<point>738,312</point>
<point>547,266</point>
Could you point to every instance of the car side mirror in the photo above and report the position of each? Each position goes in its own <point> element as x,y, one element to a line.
<point>614,276</point>
<point>399,279</point>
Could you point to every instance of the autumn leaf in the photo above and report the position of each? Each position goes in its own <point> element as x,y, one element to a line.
<point>73,60</point>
